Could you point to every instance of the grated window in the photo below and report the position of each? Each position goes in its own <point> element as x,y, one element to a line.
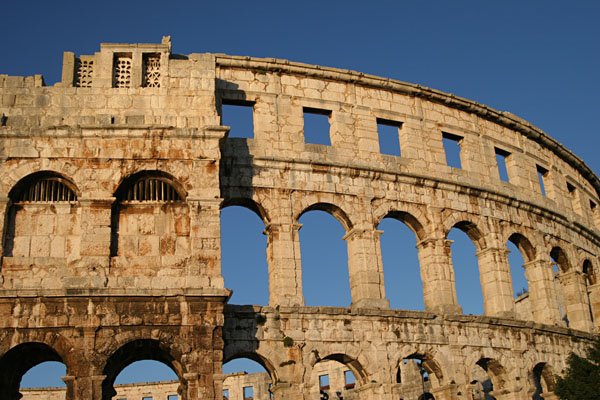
<point>122,71</point>
<point>84,70</point>
<point>47,190</point>
<point>151,189</point>
<point>151,70</point>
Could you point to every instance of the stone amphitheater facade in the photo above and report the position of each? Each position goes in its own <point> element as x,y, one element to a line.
<point>111,187</point>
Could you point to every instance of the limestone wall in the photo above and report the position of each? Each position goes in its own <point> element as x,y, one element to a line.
<point>112,182</point>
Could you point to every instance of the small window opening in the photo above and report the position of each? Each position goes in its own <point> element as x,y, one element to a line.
<point>349,380</point>
<point>270,389</point>
<point>317,126</point>
<point>542,174</point>
<point>147,398</point>
<point>571,189</point>
<point>122,70</point>
<point>389,136</point>
<point>172,397</point>
<point>323,382</point>
<point>225,394</point>
<point>248,392</point>
<point>3,120</point>
<point>593,206</point>
<point>501,157</point>
<point>151,70</point>
<point>239,116</point>
<point>452,149</point>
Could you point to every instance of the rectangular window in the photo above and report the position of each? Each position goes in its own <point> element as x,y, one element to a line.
<point>452,149</point>
<point>317,126</point>
<point>271,395</point>
<point>571,189</point>
<point>151,70</point>
<point>248,392</point>
<point>172,397</point>
<point>239,115</point>
<point>225,394</point>
<point>323,382</point>
<point>501,156</point>
<point>122,70</point>
<point>389,136</point>
<point>349,380</point>
<point>147,398</point>
<point>542,174</point>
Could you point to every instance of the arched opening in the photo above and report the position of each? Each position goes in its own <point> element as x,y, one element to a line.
<point>150,223</point>
<point>519,250</point>
<point>543,381</point>
<point>29,366</point>
<point>247,377</point>
<point>325,278</point>
<point>466,267</point>
<point>418,375</point>
<point>336,376</point>
<point>42,214</point>
<point>486,374</point>
<point>589,277</point>
<point>402,273</point>
<point>243,255</point>
<point>140,358</point>
<point>560,265</point>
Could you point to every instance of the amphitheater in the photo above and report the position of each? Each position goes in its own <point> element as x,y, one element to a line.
<point>111,186</point>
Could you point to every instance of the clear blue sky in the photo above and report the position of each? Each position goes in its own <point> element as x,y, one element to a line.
<point>537,59</point>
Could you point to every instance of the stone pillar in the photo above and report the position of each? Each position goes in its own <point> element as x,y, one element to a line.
<point>204,269</point>
<point>191,387</point>
<point>365,269</point>
<point>576,300</point>
<point>437,276</point>
<point>70,391</point>
<point>95,383</point>
<point>287,391</point>
<point>542,295</point>
<point>285,266</point>
<point>496,282</point>
<point>594,299</point>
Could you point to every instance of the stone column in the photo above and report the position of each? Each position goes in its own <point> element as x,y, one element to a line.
<point>285,266</point>
<point>542,295</point>
<point>437,276</point>
<point>365,269</point>
<point>191,388</point>
<point>576,300</point>
<point>204,268</point>
<point>95,384</point>
<point>70,391</point>
<point>496,282</point>
<point>594,299</point>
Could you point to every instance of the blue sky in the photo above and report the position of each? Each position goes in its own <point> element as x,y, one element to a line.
<point>537,59</point>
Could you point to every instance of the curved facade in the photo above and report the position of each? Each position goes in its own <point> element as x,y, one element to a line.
<point>111,186</point>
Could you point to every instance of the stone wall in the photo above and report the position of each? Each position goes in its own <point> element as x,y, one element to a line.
<point>111,186</point>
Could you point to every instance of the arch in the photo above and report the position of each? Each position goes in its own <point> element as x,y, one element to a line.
<point>352,363</point>
<point>250,204</point>
<point>33,200</point>
<point>543,380</point>
<point>589,272</point>
<point>524,245</point>
<point>496,371</point>
<point>150,186</point>
<point>331,209</point>
<point>559,256</point>
<point>44,187</point>
<point>429,364</point>
<point>258,358</point>
<point>20,359</point>
<point>409,220</point>
<point>136,350</point>
<point>472,231</point>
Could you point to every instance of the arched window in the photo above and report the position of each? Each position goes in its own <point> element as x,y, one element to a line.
<point>35,227</point>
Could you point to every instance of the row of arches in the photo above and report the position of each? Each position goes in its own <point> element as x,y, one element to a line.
<point>417,375</point>
<point>153,203</point>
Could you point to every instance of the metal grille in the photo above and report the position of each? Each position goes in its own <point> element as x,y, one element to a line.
<point>47,190</point>
<point>151,189</point>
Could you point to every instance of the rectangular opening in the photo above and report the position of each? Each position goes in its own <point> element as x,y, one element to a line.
<point>593,206</point>
<point>501,156</point>
<point>349,380</point>
<point>239,115</point>
<point>147,398</point>
<point>122,70</point>
<point>317,126</point>
<point>389,136</point>
<point>172,397</point>
<point>571,189</point>
<point>270,389</point>
<point>151,70</point>
<point>225,394</point>
<point>542,174</point>
<point>323,382</point>
<point>248,392</point>
<point>452,149</point>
